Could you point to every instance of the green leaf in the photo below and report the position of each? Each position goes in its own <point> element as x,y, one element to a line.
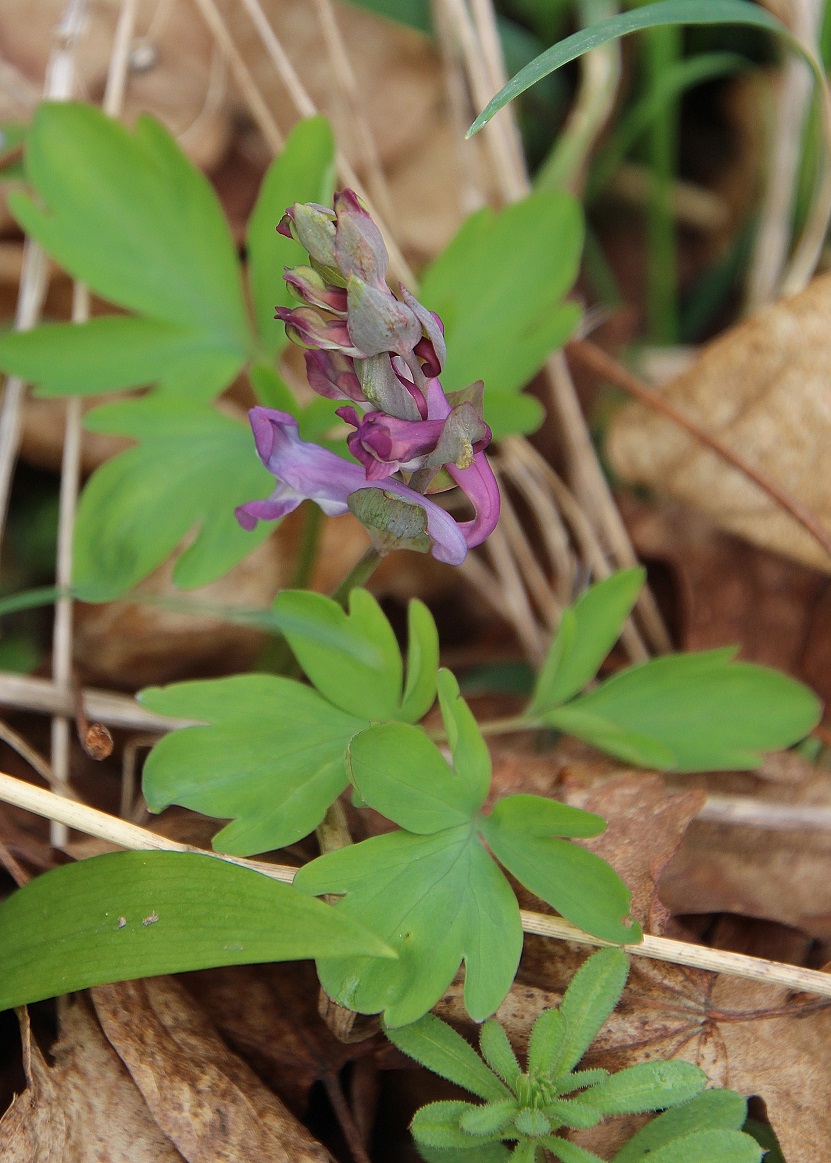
<point>271,758</point>
<point>588,630</point>
<point>127,214</point>
<point>548,1045</point>
<point>439,1047</point>
<point>501,301</point>
<point>112,352</point>
<point>646,1087</point>
<point>437,1125</point>
<point>422,663</point>
<point>593,993</point>
<point>578,884</point>
<point>188,473</point>
<point>570,1152</point>
<point>498,1052</point>
<point>437,900</point>
<point>415,13</point>
<point>304,172</point>
<point>711,1109</point>
<point>698,712</point>
<point>364,680</point>
<point>713,1146</point>
<point>477,1152</point>
<point>471,758</point>
<point>490,1118</point>
<point>400,773</point>
<point>647,16</point>
<point>139,914</point>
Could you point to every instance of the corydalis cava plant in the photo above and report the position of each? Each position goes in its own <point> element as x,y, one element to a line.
<point>383,354</point>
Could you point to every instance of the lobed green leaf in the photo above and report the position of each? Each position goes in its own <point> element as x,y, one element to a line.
<point>400,773</point>
<point>129,215</point>
<point>574,881</point>
<point>587,632</point>
<point>364,679</point>
<point>471,757</point>
<point>193,466</point>
<point>271,757</point>
<point>502,304</point>
<point>139,914</point>
<point>693,712</point>
<point>438,900</point>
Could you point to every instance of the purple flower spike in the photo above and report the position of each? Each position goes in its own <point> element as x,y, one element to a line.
<point>306,471</point>
<point>320,331</point>
<point>332,374</point>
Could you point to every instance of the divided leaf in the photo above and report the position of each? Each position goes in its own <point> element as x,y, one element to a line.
<point>271,758</point>
<point>140,914</point>
<point>434,891</point>
<point>692,712</point>
<point>501,303</point>
<point>438,900</point>
<point>365,679</point>
<point>192,467</point>
<point>587,632</point>
<point>129,215</point>
<point>574,881</point>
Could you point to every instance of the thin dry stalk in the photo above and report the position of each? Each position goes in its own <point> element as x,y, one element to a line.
<point>592,490</point>
<point>513,183</point>
<point>792,104</point>
<point>242,74</point>
<point>470,194</point>
<point>306,108</point>
<point>493,63</point>
<point>71,460</point>
<point>344,79</point>
<point>482,579</point>
<point>514,599</point>
<point>41,695</point>
<point>747,812</point>
<point>35,760</point>
<point>535,580</point>
<point>124,835</point>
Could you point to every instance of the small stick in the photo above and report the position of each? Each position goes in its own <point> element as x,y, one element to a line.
<point>593,357</point>
<point>125,835</point>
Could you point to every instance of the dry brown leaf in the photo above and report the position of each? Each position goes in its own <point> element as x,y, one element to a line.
<point>205,1098</point>
<point>84,1109</point>
<point>777,875</point>
<point>763,389</point>
<point>175,73</point>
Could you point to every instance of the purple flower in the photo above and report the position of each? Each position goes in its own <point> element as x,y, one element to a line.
<point>307,471</point>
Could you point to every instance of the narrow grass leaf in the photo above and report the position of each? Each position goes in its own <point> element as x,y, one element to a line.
<point>139,914</point>
<point>666,12</point>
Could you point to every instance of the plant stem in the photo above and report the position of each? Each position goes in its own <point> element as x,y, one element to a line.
<point>662,52</point>
<point>507,726</point>
<point>360,572</point>
<point>308,547</point>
